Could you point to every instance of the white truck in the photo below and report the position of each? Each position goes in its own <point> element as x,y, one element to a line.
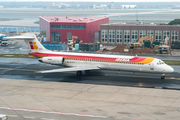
<point>4,42</point>
<point>3,117</point>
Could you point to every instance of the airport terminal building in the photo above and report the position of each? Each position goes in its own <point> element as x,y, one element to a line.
<point>61,28</point>
<point>123,33</point>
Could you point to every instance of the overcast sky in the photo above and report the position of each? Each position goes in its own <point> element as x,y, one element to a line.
<point>93,0</point>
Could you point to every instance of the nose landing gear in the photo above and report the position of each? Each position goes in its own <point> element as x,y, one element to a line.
<point>163,76</point>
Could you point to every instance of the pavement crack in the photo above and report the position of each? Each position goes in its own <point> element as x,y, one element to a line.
<point>111,94</point>
<point>76,94</point>
<point>89,88</point>
<point>174,101</point>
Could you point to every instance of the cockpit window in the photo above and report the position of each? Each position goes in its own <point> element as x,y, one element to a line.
<point>160,62</point>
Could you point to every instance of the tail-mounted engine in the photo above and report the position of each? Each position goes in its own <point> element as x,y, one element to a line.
<point>52,60</point>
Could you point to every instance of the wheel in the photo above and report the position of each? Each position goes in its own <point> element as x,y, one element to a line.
<point>87,71</point>
<point>79,73</point>
<point>162,77</point>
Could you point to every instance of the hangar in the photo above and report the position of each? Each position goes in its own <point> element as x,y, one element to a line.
<point>61,28</point>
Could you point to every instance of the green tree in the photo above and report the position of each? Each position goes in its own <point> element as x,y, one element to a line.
<point>174,22</point>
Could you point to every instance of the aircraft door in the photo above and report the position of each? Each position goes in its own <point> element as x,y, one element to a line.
<point>88,61</point>
<point>152,66</point>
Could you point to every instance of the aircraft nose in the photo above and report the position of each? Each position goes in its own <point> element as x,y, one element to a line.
<point>170,69</point>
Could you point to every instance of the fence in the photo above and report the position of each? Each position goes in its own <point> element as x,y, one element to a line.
<point>55,46</point>
<point>19,29</point>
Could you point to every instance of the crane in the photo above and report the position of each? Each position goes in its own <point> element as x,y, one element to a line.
<point>139,42</point>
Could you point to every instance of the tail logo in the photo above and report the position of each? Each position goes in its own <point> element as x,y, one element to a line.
<point>33,45</point>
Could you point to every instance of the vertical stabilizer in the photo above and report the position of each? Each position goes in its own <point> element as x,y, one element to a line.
<point>31,41</point>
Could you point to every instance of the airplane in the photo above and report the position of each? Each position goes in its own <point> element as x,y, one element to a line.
<point>73,61</point>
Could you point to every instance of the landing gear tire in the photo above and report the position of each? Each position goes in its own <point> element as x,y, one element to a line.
<point>162,77</point>
<point>87,71</point>
<point>79,73</point>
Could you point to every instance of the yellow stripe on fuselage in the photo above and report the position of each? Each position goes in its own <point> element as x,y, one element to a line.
<point>147,60</point>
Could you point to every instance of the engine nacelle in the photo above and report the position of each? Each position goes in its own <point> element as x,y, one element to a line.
<point>52,60</point>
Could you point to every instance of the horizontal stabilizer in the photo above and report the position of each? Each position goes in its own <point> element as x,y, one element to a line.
<point>20,37</point>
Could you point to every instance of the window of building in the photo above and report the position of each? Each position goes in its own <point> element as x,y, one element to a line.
<point>126,36</point>
<point>158,35</point>
<point>55,37</point>
<point>150,33</point>
<point>134,36</point>
<point>104,36</point>
<point>111,36</point>
<point>166,34</point>
<point>53,26</point>
<point>174,36</point>
<point>142,33</point>
<point>119,36</point>
<point>80,27</point>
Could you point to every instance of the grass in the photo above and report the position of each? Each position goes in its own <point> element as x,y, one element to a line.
<point>8,19</point>
<point>172,62</point>
<point>15,55</point>
<point>169,62</point>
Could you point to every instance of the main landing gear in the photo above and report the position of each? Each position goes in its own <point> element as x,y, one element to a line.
<point>79,73</point>
<point>162,76</point>
<point>87,71</point>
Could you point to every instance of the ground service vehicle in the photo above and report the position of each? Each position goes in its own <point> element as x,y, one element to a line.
<point>165,48</point>
<point>4,43</point>
<point>85,61</point>
<point>3,117</point>
<point>2,36</point>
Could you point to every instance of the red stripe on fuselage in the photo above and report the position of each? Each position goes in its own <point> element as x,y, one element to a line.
<point>134,59</point>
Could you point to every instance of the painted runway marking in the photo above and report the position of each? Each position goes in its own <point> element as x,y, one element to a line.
<point>47,119</point>
<point>61,113</point>
<point>99,74</point>
<point>18,69</point>
<point>12,115</point>
<point>29,117</point>
<point>139,76</point>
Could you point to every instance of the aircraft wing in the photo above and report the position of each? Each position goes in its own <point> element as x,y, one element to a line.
<point>69,69</point>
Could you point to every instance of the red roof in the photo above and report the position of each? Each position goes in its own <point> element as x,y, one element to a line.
<point>71,19</point>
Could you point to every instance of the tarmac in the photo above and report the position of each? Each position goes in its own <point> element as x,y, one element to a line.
<point>27,99</point>
<point>101,95</point>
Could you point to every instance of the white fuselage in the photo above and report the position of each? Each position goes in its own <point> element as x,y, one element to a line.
<point>148,68</point>
<point>112,62</point>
